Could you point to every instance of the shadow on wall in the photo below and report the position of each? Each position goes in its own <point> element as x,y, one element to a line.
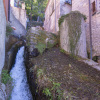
<point>19,28</point>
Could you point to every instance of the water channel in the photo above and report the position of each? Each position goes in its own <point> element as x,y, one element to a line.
<point>21,89</point>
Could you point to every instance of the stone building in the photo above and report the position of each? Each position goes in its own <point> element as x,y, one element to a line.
<point>18,9</point>
<point>18,17</point>
<point>63,7</point>
<point>54,10</point>
<point>83,7</point>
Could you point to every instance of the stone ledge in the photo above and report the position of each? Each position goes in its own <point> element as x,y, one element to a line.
<point>92,64</point>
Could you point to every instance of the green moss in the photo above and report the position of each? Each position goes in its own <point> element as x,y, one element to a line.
<point>41,47</point>
<point>62,50</point>
<point>74,29</point>
<point>40,72</point>
<point>8,30</point>
<point>5,77</point>
<point>65,16</point>
<point>41,37</point>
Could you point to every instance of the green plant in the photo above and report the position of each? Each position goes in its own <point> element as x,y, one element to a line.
<point>55,85</point>
<point>8,30</point>
<point>62,50</point>
<point>5,77</point>
<point>41,47</point>
<point>47,92</point>
<point>57,90</point>
<point>39,72</point>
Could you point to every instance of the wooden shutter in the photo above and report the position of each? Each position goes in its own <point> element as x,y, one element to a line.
<point>93,7</point>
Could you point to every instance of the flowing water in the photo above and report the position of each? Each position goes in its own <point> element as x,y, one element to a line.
<point>18,73</point>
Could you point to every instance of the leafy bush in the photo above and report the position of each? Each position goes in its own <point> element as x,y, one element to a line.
<point>5,77</point>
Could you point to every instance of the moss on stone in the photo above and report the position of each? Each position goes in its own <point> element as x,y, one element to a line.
<point>65,16</point>
<point>74,29</point>
<point>8,30</point>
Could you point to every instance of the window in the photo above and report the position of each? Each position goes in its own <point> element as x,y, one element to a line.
<point>93,8</point>
<point>68,1</point>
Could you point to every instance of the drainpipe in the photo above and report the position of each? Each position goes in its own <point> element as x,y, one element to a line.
<point>90,30</point>
<point>9,10</point>
<point>55,15</point>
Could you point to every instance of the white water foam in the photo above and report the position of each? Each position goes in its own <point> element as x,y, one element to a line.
<point>18,73</point>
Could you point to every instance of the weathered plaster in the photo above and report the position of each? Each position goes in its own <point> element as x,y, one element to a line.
<point>51,20</point>
<point>83,7</point>
<point>2,35</point>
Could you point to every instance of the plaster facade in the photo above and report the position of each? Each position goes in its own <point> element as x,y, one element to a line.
<point>2,35</point>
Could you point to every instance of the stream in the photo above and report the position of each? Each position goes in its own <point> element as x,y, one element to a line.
<point>20,85</point>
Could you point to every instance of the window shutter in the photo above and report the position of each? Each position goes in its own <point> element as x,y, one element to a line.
<point>93,7</point>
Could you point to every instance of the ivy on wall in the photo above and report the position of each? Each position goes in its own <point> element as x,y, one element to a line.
<point>74,29</point>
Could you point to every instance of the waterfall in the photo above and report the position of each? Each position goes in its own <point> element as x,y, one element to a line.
<point>18,73</point>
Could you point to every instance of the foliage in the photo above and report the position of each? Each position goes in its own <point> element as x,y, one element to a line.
<point>8,30</point>
<point>5,77</point>
<point>54,92</point>
<point>41,47</point>
<point>35,7</point>
<point>39,72</point>
<point>50,45</point>
<point>47,92</point>
<point>62,50</point>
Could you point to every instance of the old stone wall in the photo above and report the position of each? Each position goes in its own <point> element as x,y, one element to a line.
<point>52,17</point>
<point>72,35</point>
<point>2,47</point>
<point>2,35</point>
<point>52,14</point>
<point>19,28</point>
<point>64,8</point>
<point>83,7</point>
<point>20,14</point>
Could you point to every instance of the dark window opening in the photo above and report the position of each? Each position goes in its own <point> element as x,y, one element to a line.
<point>93,8</point>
